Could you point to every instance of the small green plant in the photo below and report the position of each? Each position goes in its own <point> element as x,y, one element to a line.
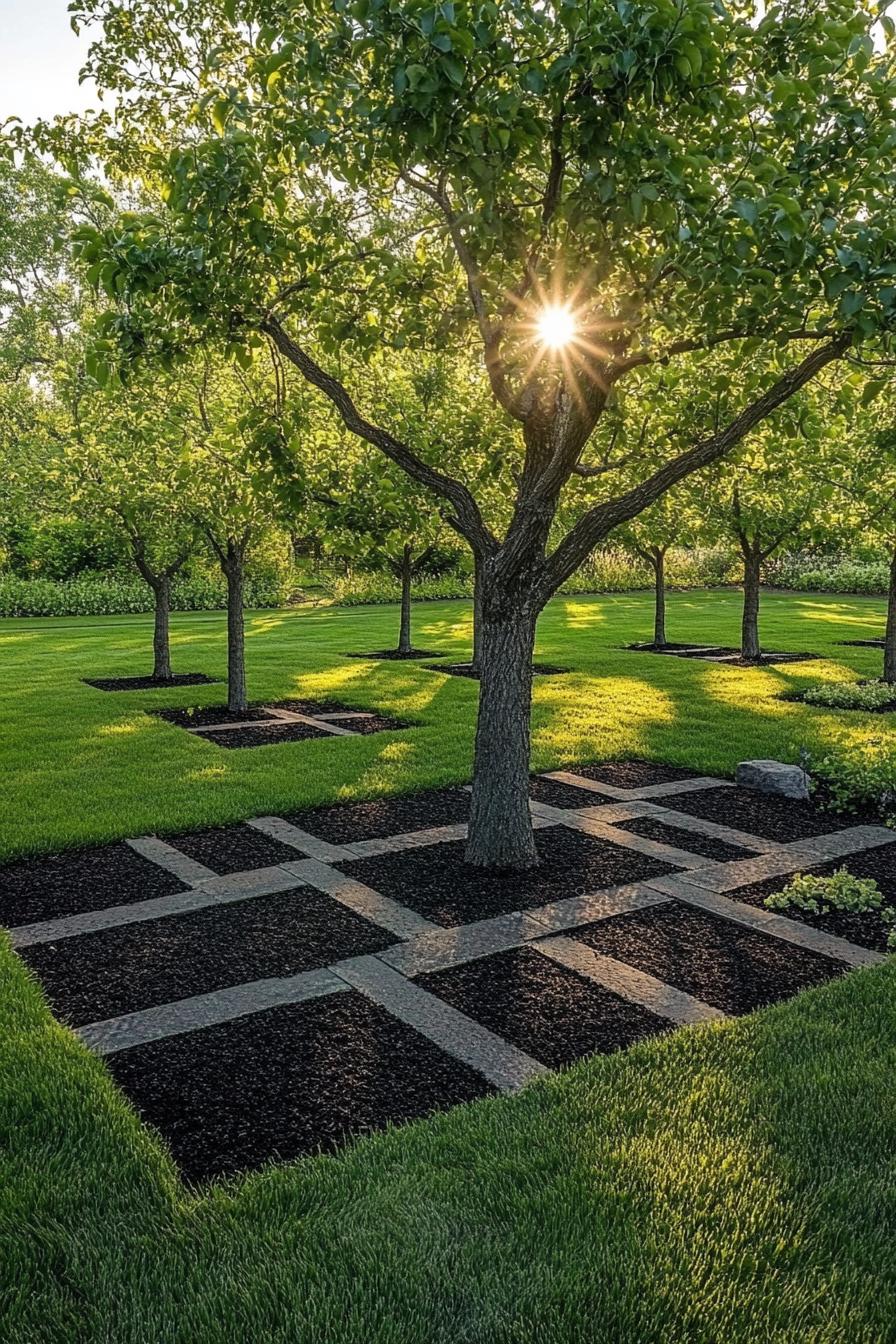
<point>864,780</point>
<point>841,891</point>
<point>851,695</point>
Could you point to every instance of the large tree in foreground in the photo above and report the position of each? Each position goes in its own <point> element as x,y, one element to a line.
<point>584,189</point>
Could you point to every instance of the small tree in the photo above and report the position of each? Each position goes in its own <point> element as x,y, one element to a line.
<point>667,523</point>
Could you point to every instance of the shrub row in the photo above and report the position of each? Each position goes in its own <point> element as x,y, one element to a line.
<point>115,595</point>
<point>812,574</point>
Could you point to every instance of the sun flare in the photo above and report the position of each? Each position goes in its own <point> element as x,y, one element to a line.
<point>556,326</point>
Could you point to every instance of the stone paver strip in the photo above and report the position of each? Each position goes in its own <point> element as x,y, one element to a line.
<point>206,1010</point>
<point>767,921</point>
<point>642,844</point>
<point>392,844</point>
<point>382,910</point>
<point>730,835</point>
<point>571,911</point>
<point>628,982</point>
<point>789,858</point>
<point>616,812</point>
<point>217,891</point>
<point>839,844</point>
<point>442,948</point>
<point>501,1063</point>
<point>287,834</point>
<point>646,792</point>
<point>166,856</point>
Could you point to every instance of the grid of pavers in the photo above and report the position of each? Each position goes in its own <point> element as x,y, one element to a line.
<point>273,988</point>
<point>283,721</point>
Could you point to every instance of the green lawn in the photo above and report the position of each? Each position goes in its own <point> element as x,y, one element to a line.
<point>79,765</point>
<point>733,1182</point>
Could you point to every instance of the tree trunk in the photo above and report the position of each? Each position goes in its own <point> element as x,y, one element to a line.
<point>658,561</point>
<point>890,636</point>
<point>236,652</point>
<point>500,831</point>
<point>406,571</point>
<point>161,651</point>
<point>750,648</point>
<point>476,664</point>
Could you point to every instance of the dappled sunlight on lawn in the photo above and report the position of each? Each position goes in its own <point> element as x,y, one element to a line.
<point>579,615</point>
<point>602,715</point>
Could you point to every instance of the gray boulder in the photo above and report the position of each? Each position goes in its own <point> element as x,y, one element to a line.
<point>789,781</point>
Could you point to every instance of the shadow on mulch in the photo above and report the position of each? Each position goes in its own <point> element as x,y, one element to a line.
<point>720,653</point>
<point>466,670</point>
<point>150,683</point>
<point>393,656</point>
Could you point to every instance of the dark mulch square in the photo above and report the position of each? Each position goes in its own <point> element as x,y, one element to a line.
<point>545,1009</point>
<point>867,930</point>
<point>200,716</point>
<point>120,970</point>
<point>633,774</point>
<point>277,1085</point>
<point>720,653</point>
<point>466,670</point>
<point>557,794</point>
<point>862,643</point>
<point>343,823</point>
<point>763,814</point>
<point>716,960</point>
<point>266,735</point>
<point>375,723</point>
<point>436,882</point>
<point>705,845</point>
<point>320,709</point>
<point>233,849</point>
<point>81,879</point>
<point>393,656</point>
<point>149,683</point>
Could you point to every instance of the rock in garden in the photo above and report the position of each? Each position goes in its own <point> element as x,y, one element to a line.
<point>791,781</point>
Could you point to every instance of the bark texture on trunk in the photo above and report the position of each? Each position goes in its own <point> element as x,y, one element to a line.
<point>890,636</point>
<point>233,565</point>
<point>161,648</point>
<point>406,571</point>
<point>750,648</point>
<point>477,616</point>
<point>500,831</point>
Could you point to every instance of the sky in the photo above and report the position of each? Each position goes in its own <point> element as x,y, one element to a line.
<point>40,58</point>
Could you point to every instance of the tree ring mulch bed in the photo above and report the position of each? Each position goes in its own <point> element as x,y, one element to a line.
<point>654,828</point>
<point>547,1010</point>
<point>343,823</point>
<point>714,959</point>
<point>720,653</point>
<point>864,928</point>
<point>633,774</point>
<point>266,729</point>
<point>150,683</point>
<point>799,698</point>
<point>278,1085</point>
<point>269,734</point>
<point>557,794</point>
<point>33,890</point>
<point>393,656</point>
<point>234,849</point>
<point>467,670</point>
<point>199,716</point>
<point>95,976</point>
<point>437,883</point>
<point>762,814</point>
<point>862,643</point>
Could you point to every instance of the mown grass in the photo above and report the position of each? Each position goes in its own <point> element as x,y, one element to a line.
<point>80,765</point>
<point>732,1182</point>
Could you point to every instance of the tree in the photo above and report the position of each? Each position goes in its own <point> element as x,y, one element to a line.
<point>666,523</point>
<point>586,194</point>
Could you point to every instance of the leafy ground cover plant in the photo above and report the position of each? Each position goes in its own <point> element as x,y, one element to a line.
<point>873,695</point>
<point>862,781</point>
<point>841,891</point>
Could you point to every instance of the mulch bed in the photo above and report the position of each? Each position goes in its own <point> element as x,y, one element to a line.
<point>557,794</point>
<point>343,823</point>
<point>466,670</point>
<point>120,970</point>
<point>149,683</point>
<point>233,849</point>
<point>781,819</point>
<point>266,735</point>
<point>200,716</point>
<point>867,930</point>
<point>547,1010</point>
<point>714,959</point>
<point>437,883</point>
<point>271,731</point>
<point>862,643</point>
<point>32,890</point>
<point>633,774</point>
<point>280,1084</point>
<point>720,653</point>
<point>652,828</point>
<point>393,656</point>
